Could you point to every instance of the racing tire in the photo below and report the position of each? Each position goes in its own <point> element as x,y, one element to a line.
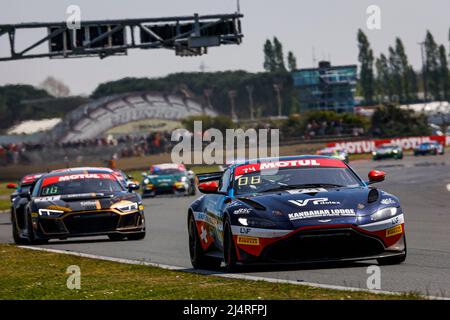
<point>198,258</point>
<point>15,232</point>
<point>229,249</point>
<point>136,236</point>
<point>31,235</point>
<point>116,237</point>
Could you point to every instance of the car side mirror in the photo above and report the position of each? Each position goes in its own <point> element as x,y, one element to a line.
<point>208,187</point>
<point>130,177</point>
<point>25,194</point>
<point>144,174</point>
<point>376,176</point>
<point>132,186</point>
<point>11,186</point>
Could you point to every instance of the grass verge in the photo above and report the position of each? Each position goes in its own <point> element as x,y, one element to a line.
<point>28,274</point>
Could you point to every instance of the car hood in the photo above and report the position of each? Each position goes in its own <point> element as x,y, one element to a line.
<point>84,202</point>
<point>311,206</point>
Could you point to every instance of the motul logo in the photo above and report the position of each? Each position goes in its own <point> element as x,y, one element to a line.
<point>314,201</point>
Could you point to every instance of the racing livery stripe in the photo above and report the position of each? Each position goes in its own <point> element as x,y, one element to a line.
<point>258,232</point>
<point>384,224</point>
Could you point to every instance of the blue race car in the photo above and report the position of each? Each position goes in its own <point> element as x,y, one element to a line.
<point>293,209</point>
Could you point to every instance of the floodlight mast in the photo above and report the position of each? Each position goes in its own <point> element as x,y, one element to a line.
<point>186,35</point>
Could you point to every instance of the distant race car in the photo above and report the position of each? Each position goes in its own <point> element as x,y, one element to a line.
<point>426,148</point>
<point>168,178</point>
<point>75,203</point>
<point>290,210</point>
<point>334,152</point>
<point>387,151</point>
<point>20,199</point>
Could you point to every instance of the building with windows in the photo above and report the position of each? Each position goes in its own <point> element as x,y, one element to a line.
<point>326,87</point>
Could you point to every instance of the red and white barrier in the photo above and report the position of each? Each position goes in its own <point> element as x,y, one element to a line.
<point>367,146</point>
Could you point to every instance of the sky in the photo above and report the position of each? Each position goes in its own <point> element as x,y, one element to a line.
<point>326,27</point>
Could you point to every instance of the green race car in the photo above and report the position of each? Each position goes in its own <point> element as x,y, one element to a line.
<point>387,151</point>
<point>168,178</point>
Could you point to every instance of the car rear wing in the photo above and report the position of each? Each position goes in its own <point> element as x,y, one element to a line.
<point>212,176</point>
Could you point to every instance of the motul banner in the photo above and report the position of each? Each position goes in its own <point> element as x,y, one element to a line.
<point>407,143</point>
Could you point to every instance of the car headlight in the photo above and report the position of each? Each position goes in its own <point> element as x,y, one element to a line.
<point>128,207</point>
<point>183,179</point>
<point>50,213</point>
<point>146,181</point>
<point>395,151</point>
<point>374,153</point>
<point>256,222</point>
<point>384,213</point>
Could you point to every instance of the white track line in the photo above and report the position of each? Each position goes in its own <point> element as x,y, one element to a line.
<point>222,275</point>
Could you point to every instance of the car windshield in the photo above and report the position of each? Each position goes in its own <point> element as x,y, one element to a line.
<point>163,172</point>
<point>61,185</point>
<point>292,178</point>
<point>386,147</point>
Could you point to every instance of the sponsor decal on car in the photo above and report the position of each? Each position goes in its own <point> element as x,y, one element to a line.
<point>248,168</point>
<point>314,201</point>
<point>322,213</point>
<point>311,190</point>
<point>242,211</point>
<point>394,231</point>
<point>249,241</point>
<point>388,201</point>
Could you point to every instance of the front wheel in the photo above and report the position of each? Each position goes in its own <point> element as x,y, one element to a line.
<point>31,234</point>
<point>15,231</point>
<point>229,249</point>
<point>198,258</point>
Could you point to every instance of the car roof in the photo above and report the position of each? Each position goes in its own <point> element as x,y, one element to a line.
<point>80,170</point>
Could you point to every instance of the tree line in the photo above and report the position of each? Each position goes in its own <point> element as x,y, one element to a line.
<point>390,78</point>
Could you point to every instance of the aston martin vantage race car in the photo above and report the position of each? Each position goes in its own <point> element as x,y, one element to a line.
<point>168,178</point>
<point>76,203</point>
<point>293,210</point>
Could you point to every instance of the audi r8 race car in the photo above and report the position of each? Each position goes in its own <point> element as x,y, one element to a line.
<point>168,178</point>
<point>291,210</point>
<point>387,151</point>
<point>75,203</point>
<point>334,152</point>
<point>433,148</point>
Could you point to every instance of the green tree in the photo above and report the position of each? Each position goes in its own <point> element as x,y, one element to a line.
<point>383,79</point>
<point>366,60</point>
<point>278,54</point>
<point>432,66</point>
<point>396,75</point>
<point>393,121</point>
<point>292,61</point>
<point>405,71</point>
<point>269,57</point>
<point>444,73</point>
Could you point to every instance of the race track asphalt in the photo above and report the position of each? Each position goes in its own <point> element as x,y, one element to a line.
<point>422,184</point>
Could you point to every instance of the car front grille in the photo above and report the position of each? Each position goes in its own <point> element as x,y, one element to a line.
<point>329,244</point>
<point>95,222</point>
